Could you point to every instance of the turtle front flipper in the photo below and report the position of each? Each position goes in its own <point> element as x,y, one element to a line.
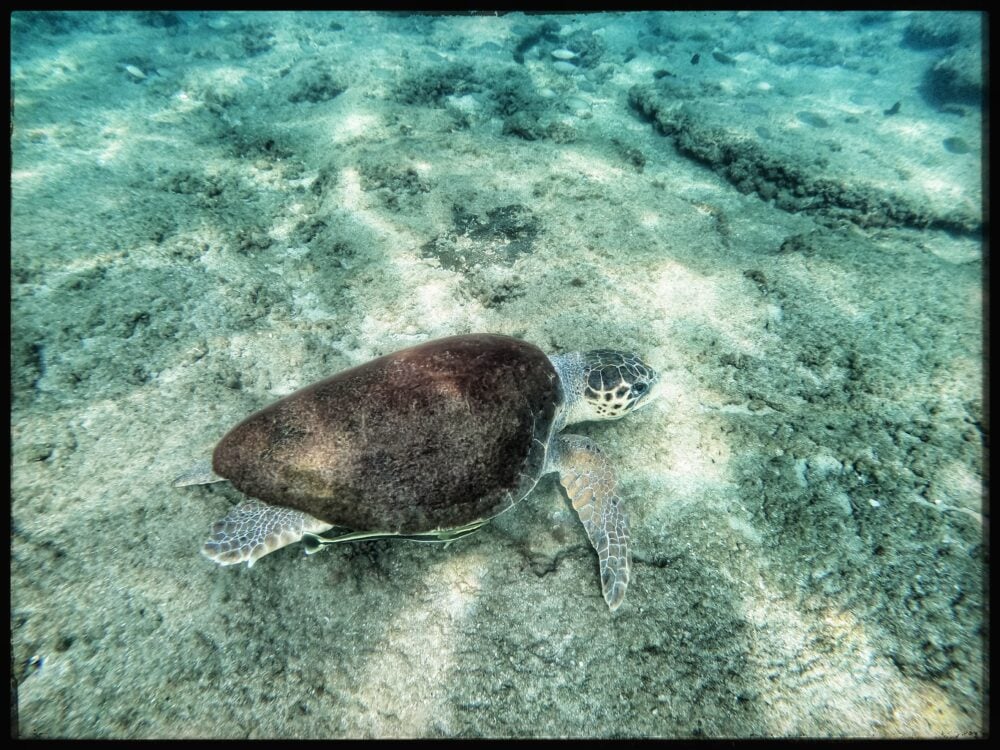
<point>253,529</point>
<point>592,487</point>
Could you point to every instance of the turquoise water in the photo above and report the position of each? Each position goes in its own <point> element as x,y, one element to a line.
<point>781,212</point>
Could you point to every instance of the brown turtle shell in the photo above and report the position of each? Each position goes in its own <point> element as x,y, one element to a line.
<point>431,437</point>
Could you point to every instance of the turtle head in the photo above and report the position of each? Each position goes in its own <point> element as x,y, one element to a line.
<point>604,384</point>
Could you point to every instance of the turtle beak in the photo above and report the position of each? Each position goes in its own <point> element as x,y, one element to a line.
<point>655,391</point>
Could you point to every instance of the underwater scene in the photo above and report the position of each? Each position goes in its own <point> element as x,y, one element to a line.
<point>648,351</point>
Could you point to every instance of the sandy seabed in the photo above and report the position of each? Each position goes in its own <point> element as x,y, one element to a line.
<point>781,212</point>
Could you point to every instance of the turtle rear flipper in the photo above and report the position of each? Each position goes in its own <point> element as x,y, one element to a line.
<point>592,487</point>
<point>253,529</point>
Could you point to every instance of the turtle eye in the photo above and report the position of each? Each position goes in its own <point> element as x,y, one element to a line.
<point>639,388</point>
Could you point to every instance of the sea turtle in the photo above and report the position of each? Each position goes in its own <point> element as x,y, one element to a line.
<point>429,443</point>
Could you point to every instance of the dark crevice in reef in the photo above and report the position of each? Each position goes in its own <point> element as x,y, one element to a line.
<point>751,168</point>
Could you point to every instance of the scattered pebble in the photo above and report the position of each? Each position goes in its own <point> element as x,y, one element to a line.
<point>578,106</point>
<point>957,145</point>
<point>811,118</point>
